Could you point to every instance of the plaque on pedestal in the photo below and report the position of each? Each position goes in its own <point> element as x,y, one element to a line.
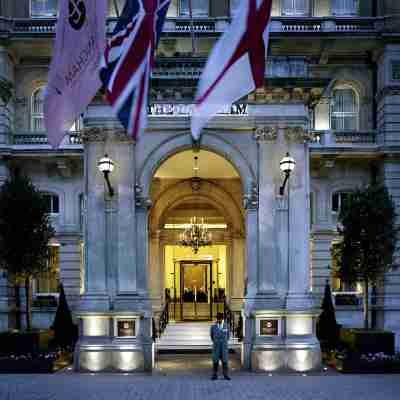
<point>269,327</point>
<point>126,328</point>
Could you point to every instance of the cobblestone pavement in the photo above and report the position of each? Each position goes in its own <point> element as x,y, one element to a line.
<point>70,386</point>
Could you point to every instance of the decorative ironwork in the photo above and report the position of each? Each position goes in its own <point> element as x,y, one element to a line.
<point>195,235</point>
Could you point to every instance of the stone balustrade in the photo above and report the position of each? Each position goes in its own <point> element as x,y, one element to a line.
<point>343,138</point>
<point>40,138</point>
<point>207,26</point>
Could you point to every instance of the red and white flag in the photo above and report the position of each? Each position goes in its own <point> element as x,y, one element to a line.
<point>73,78</point>
<point>236,66</point>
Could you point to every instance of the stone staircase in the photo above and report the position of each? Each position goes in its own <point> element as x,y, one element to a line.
<point>188,337</point>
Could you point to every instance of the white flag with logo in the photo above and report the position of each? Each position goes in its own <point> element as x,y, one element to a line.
<point>73,78</point>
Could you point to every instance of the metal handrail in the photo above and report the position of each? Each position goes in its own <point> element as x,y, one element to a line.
<point>164,319</point>
<point>229,317</point>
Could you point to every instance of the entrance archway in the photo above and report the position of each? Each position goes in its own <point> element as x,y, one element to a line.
<point>213,193</point>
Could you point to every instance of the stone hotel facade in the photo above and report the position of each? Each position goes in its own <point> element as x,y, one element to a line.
<point>331,99</point>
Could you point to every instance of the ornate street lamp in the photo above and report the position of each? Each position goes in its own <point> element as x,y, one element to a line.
<point>286,165</point>
<point>106,166</point>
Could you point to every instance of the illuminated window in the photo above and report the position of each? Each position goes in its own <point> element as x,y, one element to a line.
<point>37,113</point>
<point>295,7</point>
<point>344,110</point>
<point>47,282</point>
<point>338,200</point>
<point>52,203</point>
<point>345,7</point>
<point>200,8</point>
<point>44,8</point>
<point>339,285</point>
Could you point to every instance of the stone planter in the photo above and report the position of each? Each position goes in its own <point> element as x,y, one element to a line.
<point>359,366</point>
<point>26,366</point>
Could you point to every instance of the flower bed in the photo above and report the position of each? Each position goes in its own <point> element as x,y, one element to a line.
<point>369,363</point>
<point>34,362</point>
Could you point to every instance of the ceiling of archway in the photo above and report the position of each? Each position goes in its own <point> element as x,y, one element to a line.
<point>211,166</point>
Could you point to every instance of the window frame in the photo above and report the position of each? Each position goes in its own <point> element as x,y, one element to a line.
<point>338,11</point>
<point>285,10</point>
<point>35,292</point>
<point>341,115</point>
<point>37,116</point>
<point>339,193</point>
<point>180,14</point>
<point>52,196</point>
<point>46,15</point>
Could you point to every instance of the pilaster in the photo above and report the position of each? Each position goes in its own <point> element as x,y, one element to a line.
<point>7,78</point>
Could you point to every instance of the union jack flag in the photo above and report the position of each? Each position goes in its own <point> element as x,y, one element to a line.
<point>128,59</point>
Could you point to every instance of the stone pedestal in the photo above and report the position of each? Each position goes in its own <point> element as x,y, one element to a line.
<point>115,310</point>
<point>279,312</point>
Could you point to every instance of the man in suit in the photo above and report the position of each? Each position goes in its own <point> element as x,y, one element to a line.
<point>220,336</point>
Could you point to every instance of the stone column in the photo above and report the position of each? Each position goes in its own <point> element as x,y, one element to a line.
<point>251,207</point>
<point>298,189</point>
<point>70,268</point>
<point>142,241</point>
<point>266,211</point>
<point>155,270</point>
<point>6,105</point>
<point>391,171</point>
<point>96,290</point>
<point>126,256</point>
<point>5,298</point>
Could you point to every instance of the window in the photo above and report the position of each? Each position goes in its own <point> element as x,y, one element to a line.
<point>341,286</point>
<point>37,113</point>
<point>200,8</point>
<point>344,110</point>
<point>345,7</point>
<point>338,200</point>
<point>44,8</point>
<point>112,12</point>
<point>47,282</point>
<point>295,7</point>
<point>52,203</point>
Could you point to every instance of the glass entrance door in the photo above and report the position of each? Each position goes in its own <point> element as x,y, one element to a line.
<point>196,290</point>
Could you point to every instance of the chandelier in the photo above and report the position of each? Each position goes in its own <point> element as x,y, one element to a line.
<point>195,235</point>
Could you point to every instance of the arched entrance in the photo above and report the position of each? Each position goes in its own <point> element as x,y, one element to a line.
<point>197,283</point>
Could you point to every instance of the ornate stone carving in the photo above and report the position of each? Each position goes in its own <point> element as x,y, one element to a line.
<point>97,134</point>
<point>140,200</point>
<point>298,134</point>
<point>250,200</point>
<point>265,133</point>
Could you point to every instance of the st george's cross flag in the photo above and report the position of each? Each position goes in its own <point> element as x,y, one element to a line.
<point>73,77</point>
<point>236,66</point>
<point>129,58</point>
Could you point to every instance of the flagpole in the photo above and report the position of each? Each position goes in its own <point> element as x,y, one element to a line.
<point>116,8</point>
<point>192,27</point>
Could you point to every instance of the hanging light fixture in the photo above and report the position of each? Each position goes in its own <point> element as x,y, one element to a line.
<point>195,234</point>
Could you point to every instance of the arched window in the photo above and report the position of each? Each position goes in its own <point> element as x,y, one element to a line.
<point>37,113</point>
<point>295,7</point>
<point>200,8</point>
<point>344,109</point>
<point>345,7</point>
<point>44,8</point>
<point>52,203</point>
